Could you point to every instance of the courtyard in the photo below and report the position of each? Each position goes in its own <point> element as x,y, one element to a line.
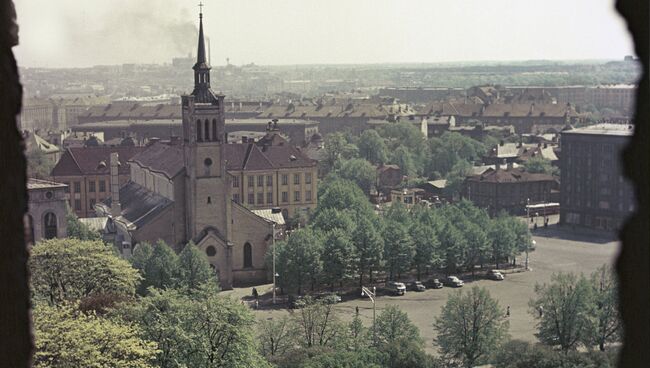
<point>557,250</point>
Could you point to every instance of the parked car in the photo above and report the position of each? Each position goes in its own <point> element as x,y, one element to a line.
<point>329,298</point>
<point>396,288</point>
<point>434,284</point>
<point>454,281</point>
<point>416,286</point>
<point>495,275</point>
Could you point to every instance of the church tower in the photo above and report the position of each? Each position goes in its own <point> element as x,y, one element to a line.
<point>207,187</point>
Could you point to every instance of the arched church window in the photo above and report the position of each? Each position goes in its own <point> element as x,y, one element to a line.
<point>215,137</point>
<point>207,130</point>
<point>248,255</point>
<point>211,251</point>
<point>198,131</point>
<point>49,225</point>
<point>209,199</point>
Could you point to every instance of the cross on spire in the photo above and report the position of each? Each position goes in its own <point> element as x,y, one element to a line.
<point>200,8</point>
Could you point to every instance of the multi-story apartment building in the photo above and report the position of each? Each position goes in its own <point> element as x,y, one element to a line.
<point>594,192</point>
<point>86,172</point>
<point>272,173</point>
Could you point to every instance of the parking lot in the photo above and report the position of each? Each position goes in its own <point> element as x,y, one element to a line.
<point>557,250</point>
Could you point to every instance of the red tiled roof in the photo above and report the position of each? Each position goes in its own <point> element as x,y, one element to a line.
<point>160,157</point>
<point>93,160</point>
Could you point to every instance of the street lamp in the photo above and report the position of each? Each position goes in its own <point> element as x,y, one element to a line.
<point>533,242</point>
<point>273,245</point>
<point>371,294</point>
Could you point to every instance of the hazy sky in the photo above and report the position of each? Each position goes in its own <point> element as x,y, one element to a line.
<point>67,33</point>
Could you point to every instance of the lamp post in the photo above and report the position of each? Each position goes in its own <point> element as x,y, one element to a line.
<point>533,243</point>
<point>528,210</point>
<point>371,294</point>
<point>273,245</point>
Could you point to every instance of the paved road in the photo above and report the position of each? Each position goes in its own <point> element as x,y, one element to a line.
<point>557,250</point>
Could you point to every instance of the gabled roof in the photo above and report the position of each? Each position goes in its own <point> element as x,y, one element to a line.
<point>162,158</point>
<point>271,152</point>
<point>139,205</point>
<point>93,160</point>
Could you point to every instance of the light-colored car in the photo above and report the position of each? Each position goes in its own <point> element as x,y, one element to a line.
<point>396,288</point>
<point>495,275</point>
<point>453,281</point>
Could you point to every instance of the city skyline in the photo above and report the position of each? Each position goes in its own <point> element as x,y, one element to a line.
<point>72,33</point>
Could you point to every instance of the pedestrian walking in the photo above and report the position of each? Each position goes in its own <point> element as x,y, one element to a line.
<point>357,310</point>
<point>541,311</point>
<point>255,294</point>
<point>508,311</point>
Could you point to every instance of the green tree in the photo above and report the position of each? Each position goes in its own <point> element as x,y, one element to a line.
<point>72,269</point>
<point>39,165</point>
<point>478,244</point>
<point>502,238</point>
<point>276,336</point>
<point>344,359</point>
<point>359,171</point>
<point>372,147</point>
<point>453,244</point>
<point>338,257</point>
<point>538,165</point>
<point>338,147</point>
<point>161,269</point>
<point>141,254</point>
<point>427,245</point>
<point>194,269</point>
<point>65,337</point>
<point>329,219</point>
<point>605,327</point>
<point>470,327</point>
<point>398,248</point>
<point>369,248</point>
<point>456,177</point>
<point>343,194</point>
<point>298,259</point>
<point>318,324</point>
<point>399,339</point>
<point>79,230</point>
<point>566,303</point>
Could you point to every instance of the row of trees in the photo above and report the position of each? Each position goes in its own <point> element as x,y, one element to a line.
<point>347,240</point>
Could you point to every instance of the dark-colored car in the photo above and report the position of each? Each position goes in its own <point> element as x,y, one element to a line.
<point>416,286</point>
<point>494,275</point>
<point>453,281</point>
<point>434,284</point>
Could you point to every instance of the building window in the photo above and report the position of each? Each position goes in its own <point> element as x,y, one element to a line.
<point>251,181</point>
<point>285,197</point>
<point>285,179</point>
<point>49,225</point>
<point>214,130</point>
<point>307,178</point>
<point>211,251</point>
<point>235,198</point>
<point>260,198</point>
<point>248,255</point>
<point>269,197</point>
<point>198,131</point>
<point>102,186</point>
<point>91,186</point>
<point>296,196</point>
<point>308,196</point>
<point>207,130</point>
<point>251,198</point>
<point>269,180</point>
<point>77,204</point>
<point>209,200</point>
<point>235,182</point>
<point>67,188</point>
<point>77,187</point>
<point>260,181</point>
<point>296,179</point>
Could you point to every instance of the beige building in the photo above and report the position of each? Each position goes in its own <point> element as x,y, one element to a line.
<point>45,218</point>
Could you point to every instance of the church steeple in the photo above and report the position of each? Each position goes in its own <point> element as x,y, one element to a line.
<point>202,91</point>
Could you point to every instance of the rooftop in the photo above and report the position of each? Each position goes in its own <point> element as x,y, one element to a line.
<point>604,129</point>
<point>35,184</point>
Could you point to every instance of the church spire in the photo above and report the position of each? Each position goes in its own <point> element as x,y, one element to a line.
<point>202,91</point>
<point>200,55</point>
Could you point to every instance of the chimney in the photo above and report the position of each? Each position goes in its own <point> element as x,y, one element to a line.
<point>116,208</point>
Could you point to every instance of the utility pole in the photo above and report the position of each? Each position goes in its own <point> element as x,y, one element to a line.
<point>371,294</point>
